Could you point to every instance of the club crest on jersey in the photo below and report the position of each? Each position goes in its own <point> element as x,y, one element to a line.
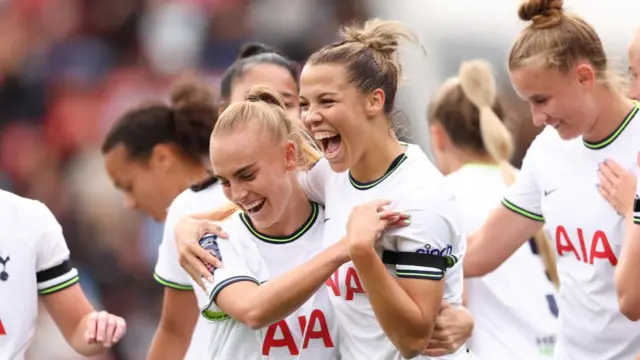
<point>4,275</point>
<point>209,242</point>
<point>446,251</point>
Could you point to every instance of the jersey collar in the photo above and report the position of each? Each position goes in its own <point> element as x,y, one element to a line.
<point>282,239</point>
<point>616,133</point>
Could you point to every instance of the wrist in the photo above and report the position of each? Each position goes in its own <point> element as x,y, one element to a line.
<point>359,251</point>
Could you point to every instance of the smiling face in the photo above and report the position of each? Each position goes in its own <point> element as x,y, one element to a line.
<point>335,113</point>
<point>255,172</point>
<point>272,76</point>
<point>563,101</point>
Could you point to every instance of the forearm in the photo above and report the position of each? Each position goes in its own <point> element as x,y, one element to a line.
<point>168,344</point>
<point>280,296</point>
<point>399,316</point>
<point>79,343</point>
<point>628,271</point>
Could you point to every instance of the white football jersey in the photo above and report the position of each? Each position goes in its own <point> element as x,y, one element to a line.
<point>514,306</point>
<point>34,260</point>
<point>248,255</point>
<point>557,185</point>
<point>415,186</point>
<point>168,271</point>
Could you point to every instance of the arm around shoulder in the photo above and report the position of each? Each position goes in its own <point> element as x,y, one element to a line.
<point>628,271</point>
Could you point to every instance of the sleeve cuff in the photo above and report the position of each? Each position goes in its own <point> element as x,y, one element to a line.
<point>520,211</point>
<point>171,284</point>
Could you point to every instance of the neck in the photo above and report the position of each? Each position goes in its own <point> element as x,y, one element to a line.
<point>377,158</point>
<point>460,158</point>
<point>613,111</point>
<point>296,213</point>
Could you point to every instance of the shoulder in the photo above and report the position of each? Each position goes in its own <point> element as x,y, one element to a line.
<point>190,201</point>
<point>20,213</point>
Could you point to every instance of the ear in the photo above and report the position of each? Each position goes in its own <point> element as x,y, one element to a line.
<point>290,150</point>
<point>375,102</point>
<point>162,157</point>
<point>586,75</point>
<point>439,138</point>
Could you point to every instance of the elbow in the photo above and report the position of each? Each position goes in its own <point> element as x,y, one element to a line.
<point>628,300</point>
<point>412,348</point>
<point>629,307</point>
<point>255,319</point>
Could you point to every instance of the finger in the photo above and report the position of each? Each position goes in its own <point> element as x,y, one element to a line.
<point>112,322</point>
<point>399,223</point>
<point>638,161</point>
<point>121,329</point>
<point>379,203</point>
<point>615,168</point>
<point>607,172</point>
<point>204,255</point>
<point>197,270</point>
<point>437,352</point>
<point>102,326</point>
<point>209,227</point>
<point>444,305</point>
<point>605,181</point>
<point>92,323</point>
<point>605,194</point>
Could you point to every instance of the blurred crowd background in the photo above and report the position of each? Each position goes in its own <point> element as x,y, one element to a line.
<point>69,68</point>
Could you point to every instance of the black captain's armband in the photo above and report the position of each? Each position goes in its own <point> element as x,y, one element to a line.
<point>415,259</point>
<point>636,205</point>
<point>54,272</point>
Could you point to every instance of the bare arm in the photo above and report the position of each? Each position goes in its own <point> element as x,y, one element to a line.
<point>406,308</point>
<point>504,231</point>
<point>260,305</point>
<point>88,333</point>
<point>177,321</point>
<point>628,271</point>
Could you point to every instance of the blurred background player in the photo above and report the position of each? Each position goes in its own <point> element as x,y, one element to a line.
<point>558,65</point>
<point>153,153</point>
<point>514,306</point>
<point>634,66</point>
<point>34,261</point>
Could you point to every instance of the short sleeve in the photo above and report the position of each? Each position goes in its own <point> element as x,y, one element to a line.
<point>313,181</point>
<point>434,238</point>
<point>168,271</point>
<point>524,196</point>
<point>53,270</point>
<point>235,269</point>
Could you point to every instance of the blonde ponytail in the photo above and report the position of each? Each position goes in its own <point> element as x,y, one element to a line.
<point>479,86</point>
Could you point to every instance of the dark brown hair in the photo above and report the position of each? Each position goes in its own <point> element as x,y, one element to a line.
<point>186,123</point>
<point>370,56</point>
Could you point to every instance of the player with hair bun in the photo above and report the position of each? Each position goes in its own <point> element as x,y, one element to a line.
<point>258,64</point>
<point>153,153</point>
<point>472,147</point>
<point>558,65</point>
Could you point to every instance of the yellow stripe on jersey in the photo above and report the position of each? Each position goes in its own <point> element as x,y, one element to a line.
<point>371,184</point>
<point>171,284</point>
<point>56,288</point>
<point>511,206</point>
<point>282,239</point>
<point>611,138</point>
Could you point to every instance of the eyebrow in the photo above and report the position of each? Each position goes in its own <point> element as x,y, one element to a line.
<point>239,171</point>
<point>326,93</point>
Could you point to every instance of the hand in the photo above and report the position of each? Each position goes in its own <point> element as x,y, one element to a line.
<point>368,221</point>
<point>453,328</point>
<point>104,328</point>
<point>192,257</point>
<point>618,186</point>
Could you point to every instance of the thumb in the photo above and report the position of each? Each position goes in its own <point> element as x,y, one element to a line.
<point>444,305</point>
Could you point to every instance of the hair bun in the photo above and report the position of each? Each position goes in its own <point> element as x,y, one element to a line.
<point>543,14</point>
<point>253,49</point>
<point>265,94</point>
<point>191,92</point>
<point>379,35</point>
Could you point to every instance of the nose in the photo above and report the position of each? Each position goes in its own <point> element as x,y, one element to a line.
<point>129,202</point>
<point>635,90</point>
<point>311,117</point>
<point>238,194</point>
<point>539,118</point>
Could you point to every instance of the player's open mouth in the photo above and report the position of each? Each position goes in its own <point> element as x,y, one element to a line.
<point>255,206</point>
<point>330,143</point>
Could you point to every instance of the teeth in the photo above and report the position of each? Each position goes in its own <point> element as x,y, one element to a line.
<point>324,135</point>
<point>254,204</point>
